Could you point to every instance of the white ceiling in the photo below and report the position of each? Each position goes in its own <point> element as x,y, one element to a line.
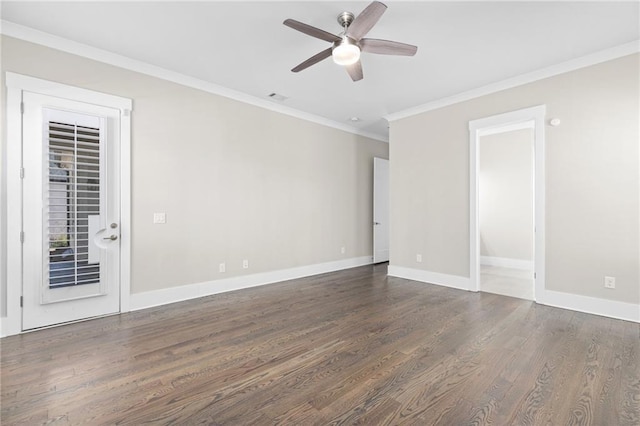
<point>244,46</point>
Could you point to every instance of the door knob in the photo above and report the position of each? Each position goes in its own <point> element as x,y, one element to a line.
<point>111,237</point>
<point>376,223</point>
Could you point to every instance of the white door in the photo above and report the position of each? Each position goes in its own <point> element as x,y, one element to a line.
<point>380,210</point>
<point>71,211</point>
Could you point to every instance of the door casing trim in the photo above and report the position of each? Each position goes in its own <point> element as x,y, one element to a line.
<point>17,84</point>
<point>532,117</point>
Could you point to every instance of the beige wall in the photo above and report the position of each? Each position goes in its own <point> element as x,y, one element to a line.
<point>592,180</point>
<point>236,181</point>
<point>506,195</point>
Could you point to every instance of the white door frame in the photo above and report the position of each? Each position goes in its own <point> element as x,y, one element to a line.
<point>17,84</point>
<point>529,117</point>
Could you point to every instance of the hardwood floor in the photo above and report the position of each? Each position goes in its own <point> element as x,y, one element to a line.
<point>341,348</point>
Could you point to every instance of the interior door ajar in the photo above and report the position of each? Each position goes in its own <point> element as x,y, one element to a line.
<point>380,210</point>
<point>71,211</point>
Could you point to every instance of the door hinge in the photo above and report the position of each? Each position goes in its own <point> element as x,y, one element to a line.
<point>534,275</point>
<point>21,301</point>
<point>21,172</point>
<point>22,236</point>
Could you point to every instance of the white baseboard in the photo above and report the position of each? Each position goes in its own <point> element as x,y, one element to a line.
<point>505,262</point>
<point>453,281</point>
<point>573,302</point>
<point>192,291</point>
<point>592,305</point>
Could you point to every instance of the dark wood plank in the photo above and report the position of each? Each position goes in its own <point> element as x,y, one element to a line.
<point>351,347</point>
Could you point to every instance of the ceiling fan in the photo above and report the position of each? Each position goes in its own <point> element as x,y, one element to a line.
<point>350,43</point>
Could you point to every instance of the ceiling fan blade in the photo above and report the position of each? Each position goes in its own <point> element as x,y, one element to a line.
<point>313,60</point>
<point>366,20</point>
<point>355,71</point>
<point>387,47</point>
<point>312,31</point>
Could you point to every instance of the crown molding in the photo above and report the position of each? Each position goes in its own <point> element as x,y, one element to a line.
<point>561,68</point>
<point>59,43</point>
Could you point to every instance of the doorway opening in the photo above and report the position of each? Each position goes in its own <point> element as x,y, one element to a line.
<point>507,203</point>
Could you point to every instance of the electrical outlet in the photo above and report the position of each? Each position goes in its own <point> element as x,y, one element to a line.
<point>419,258</point>
<point>245,264</point>
<point>159,218</point>
<point>343,250</point>
<point>610,282</point>
<point>222,268</point>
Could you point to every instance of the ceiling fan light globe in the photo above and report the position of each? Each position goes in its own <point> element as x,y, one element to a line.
<point>346,54</point>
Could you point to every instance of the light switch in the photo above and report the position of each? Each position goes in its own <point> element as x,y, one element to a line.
<point>159,218</point>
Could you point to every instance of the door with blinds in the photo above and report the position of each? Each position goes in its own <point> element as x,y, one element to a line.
<point>71,206</point>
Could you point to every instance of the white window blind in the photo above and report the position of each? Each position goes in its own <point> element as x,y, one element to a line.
<point>73,198</point>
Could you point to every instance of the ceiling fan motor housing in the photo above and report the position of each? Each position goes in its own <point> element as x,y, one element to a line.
<point>346,40</point>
